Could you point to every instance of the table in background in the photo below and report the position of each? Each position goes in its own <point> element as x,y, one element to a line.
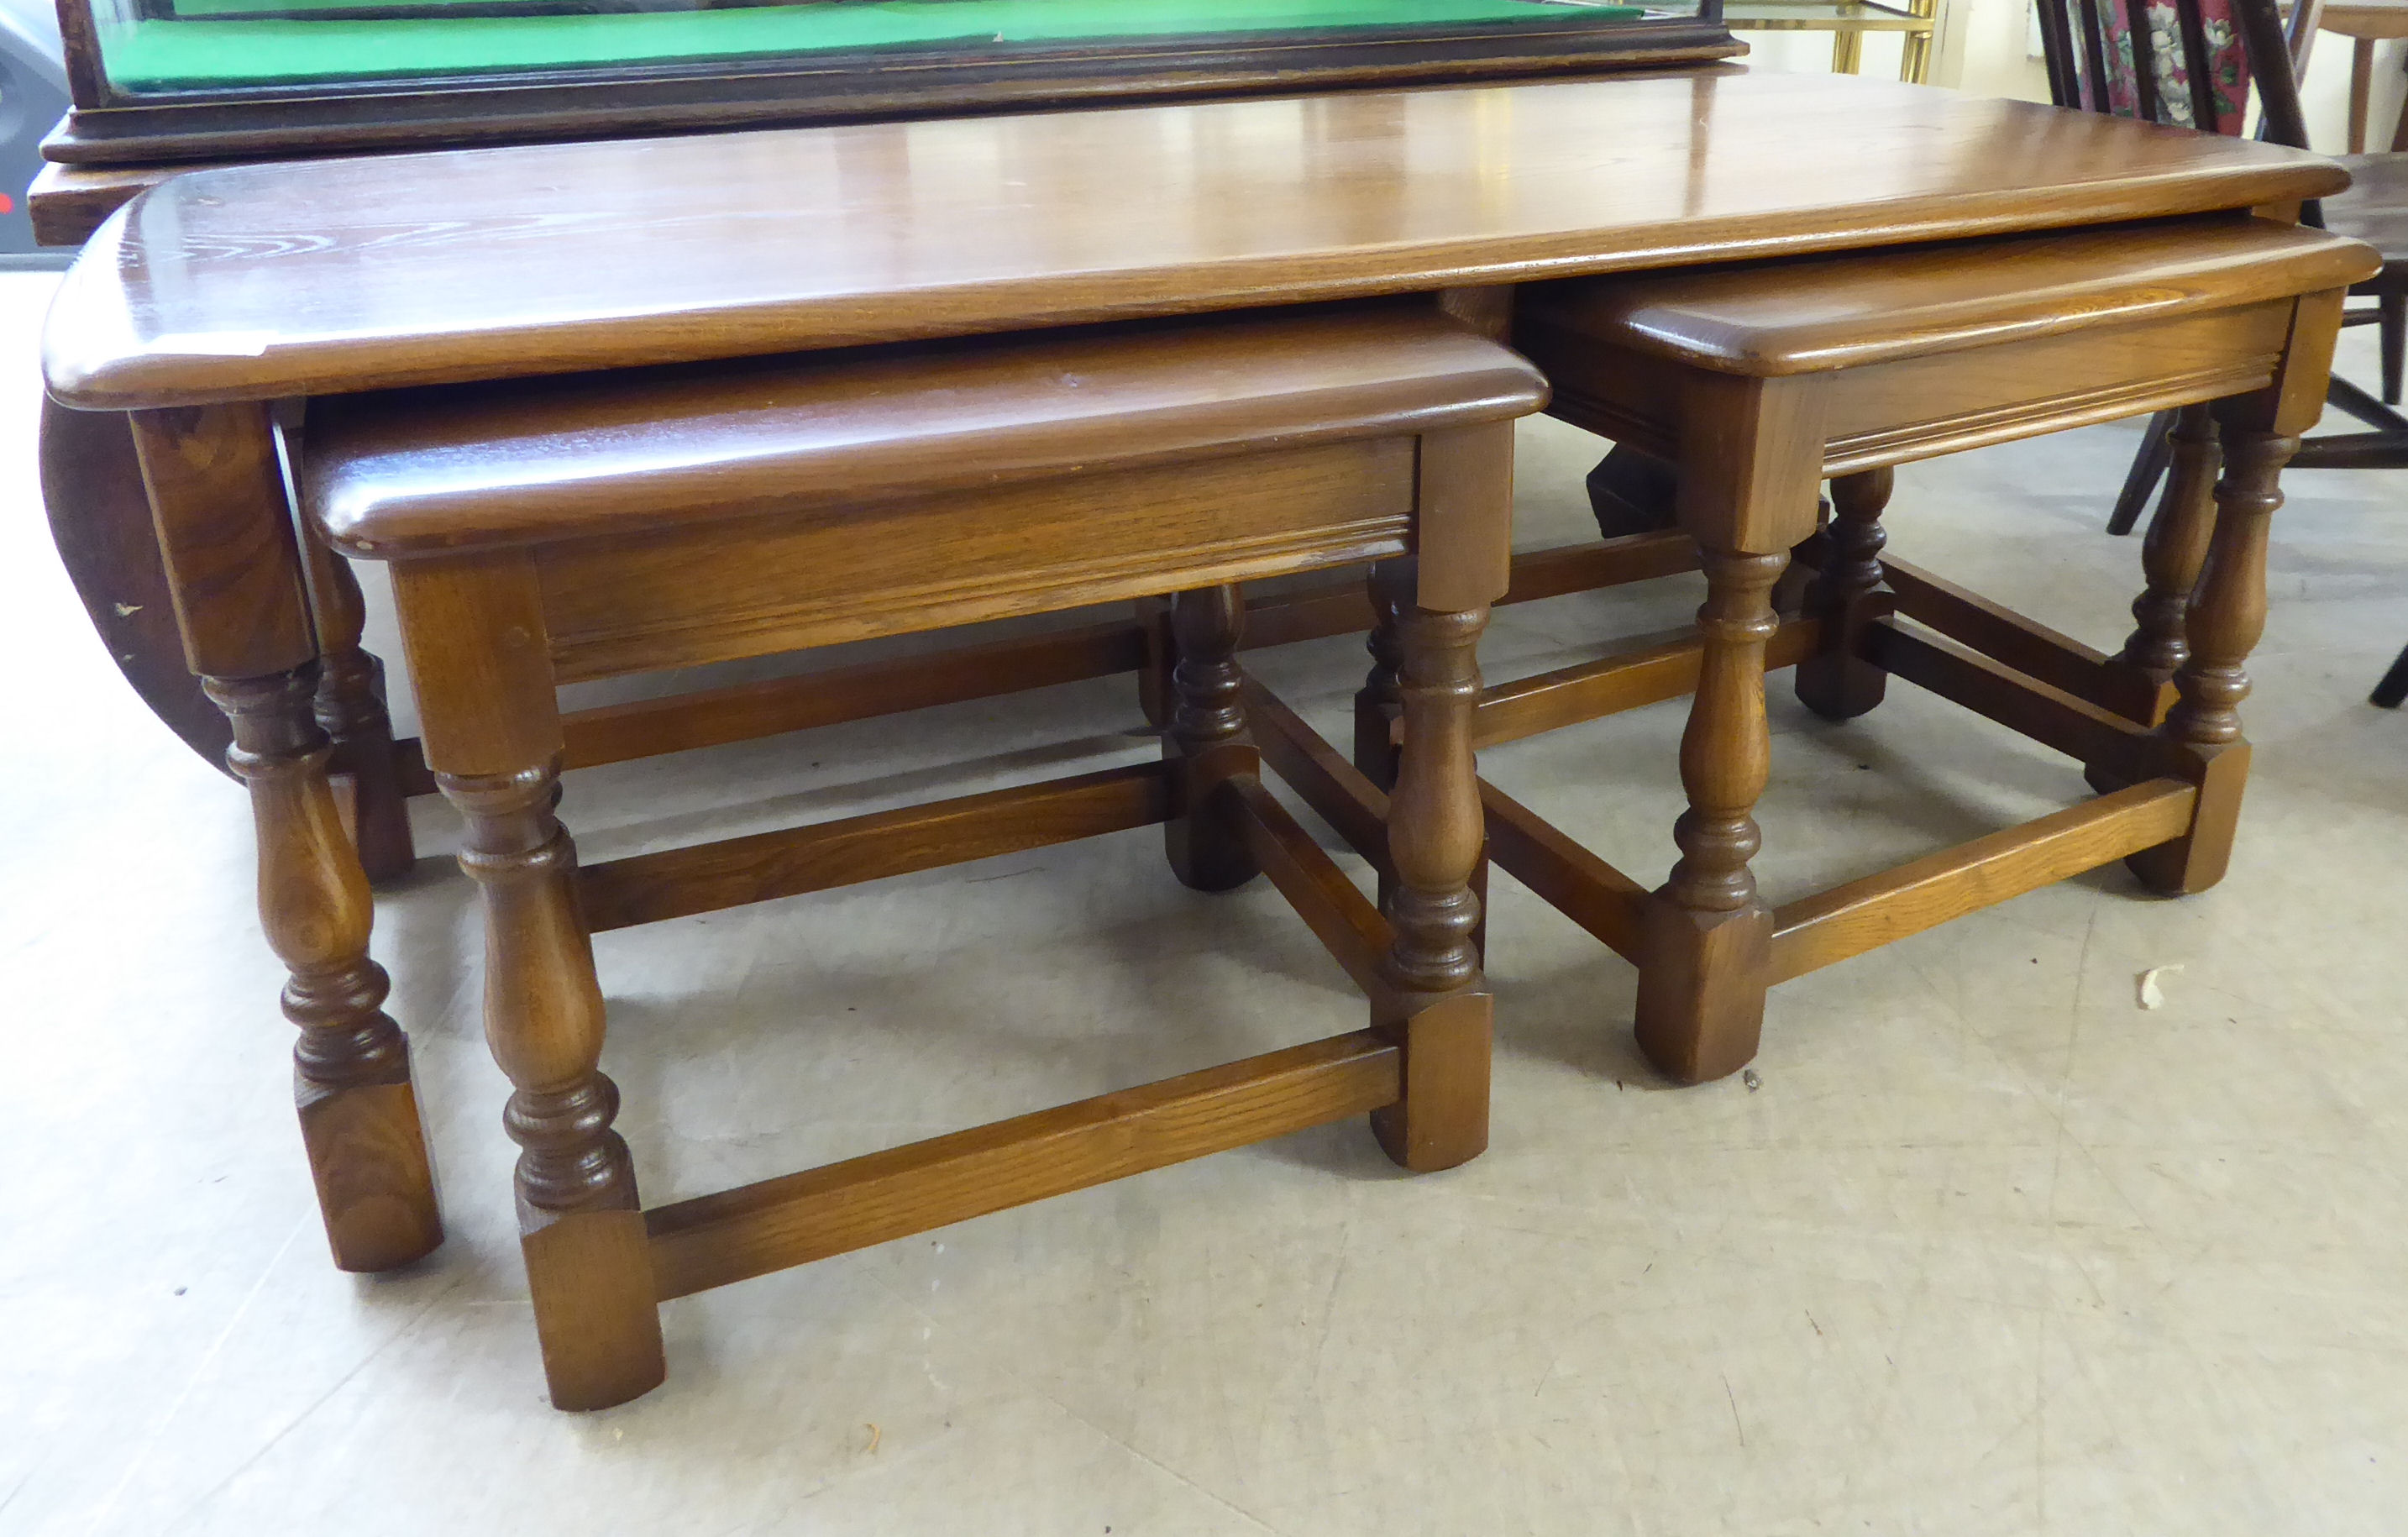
<point>1915,21</point>
<point>2366,22</point>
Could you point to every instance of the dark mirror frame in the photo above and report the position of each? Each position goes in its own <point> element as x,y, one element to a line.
<point>108,127</point>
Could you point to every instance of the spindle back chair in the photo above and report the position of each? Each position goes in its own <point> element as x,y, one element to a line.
<point>2103,56</point>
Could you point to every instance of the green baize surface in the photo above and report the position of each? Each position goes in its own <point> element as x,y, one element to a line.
<point>217,48</point>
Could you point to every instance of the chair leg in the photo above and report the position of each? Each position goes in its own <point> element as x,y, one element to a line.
<point>2148,465</point>
<point>2392,331</point>
<point>2394,687</point>
<point>1436,1005</point>
<point>1836,682</point>
<point>1707,935</point>
<point>580,1225</point>
<point>1206,743</point>
<point>2225,616</point>
<point>350,1068</point>
<point>2350,400</point>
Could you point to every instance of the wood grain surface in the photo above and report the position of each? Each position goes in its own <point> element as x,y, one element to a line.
<point>270,280</point>
<point>1846,312</point>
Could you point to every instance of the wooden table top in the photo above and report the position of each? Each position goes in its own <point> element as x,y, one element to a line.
<point>264,281</point>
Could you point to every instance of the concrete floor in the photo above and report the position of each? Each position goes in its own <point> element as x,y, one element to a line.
<point>1991,1249</point>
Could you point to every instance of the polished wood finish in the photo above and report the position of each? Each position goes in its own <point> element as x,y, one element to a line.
<point>1707,163</point>
<point>981,669</point>
<point>1845,596</point>
<point>716,1240</point>
<point>1338,792</point>
<point>1700,1007</point>
<point>1204,744</point>
<point>1349,925</point>
<point>1756,383</point>
<point>100,523</point>
<point>2105,742</point>
<point>1382,194</point>
<point>767,585</point>
<point>351,1067</point>
<point>2022,643</point>
<point>227,541</point>
<point>276,280</point>
<point>1912,304</point>
<point>2225,616</point>
<point>619,456</point>
<point>350,706</point>
<point>743,711</point>
<point>1439,1011</point>
<point>1574,882</point>
<point>1862,916</point>
<point>1646,669</point>
<point>497,580</point>
<point>473,628</point>
<point>2173,551</point>
<point>762,867</point>
<point>581,1222</point>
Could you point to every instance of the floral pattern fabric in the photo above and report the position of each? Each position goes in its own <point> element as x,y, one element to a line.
<point>2230,63</point>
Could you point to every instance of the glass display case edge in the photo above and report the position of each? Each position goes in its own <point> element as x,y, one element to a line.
<point>111,125</point>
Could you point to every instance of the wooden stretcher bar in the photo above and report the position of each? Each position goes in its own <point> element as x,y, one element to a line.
<point>716,716</point>
<point>733,871</point>
<point>716,1240</point>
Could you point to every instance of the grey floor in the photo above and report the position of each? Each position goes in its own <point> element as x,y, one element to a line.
<point>1991,1249</point>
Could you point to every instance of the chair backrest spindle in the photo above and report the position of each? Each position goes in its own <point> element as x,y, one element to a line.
<point>2093,58</point>
<point>2144,61</point>
<point>2198,65</point>
<point>2104,56</point>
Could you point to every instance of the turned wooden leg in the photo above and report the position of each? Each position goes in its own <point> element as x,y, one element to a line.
<point>1707,934</point>
<point>350,1068</point>
<point>2171,555</point>
<point>351,705</point>
<point>1437,1006</point>
<point>580,1225</point>
<point>1206,740</point>
<point>481,657</point>
<point>1837,683</point>
<point>2173,549</point>
<point>1377,703</point>
<point>2225,615</point>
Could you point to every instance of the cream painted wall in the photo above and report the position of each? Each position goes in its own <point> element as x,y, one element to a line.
<point>1983,48</point>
